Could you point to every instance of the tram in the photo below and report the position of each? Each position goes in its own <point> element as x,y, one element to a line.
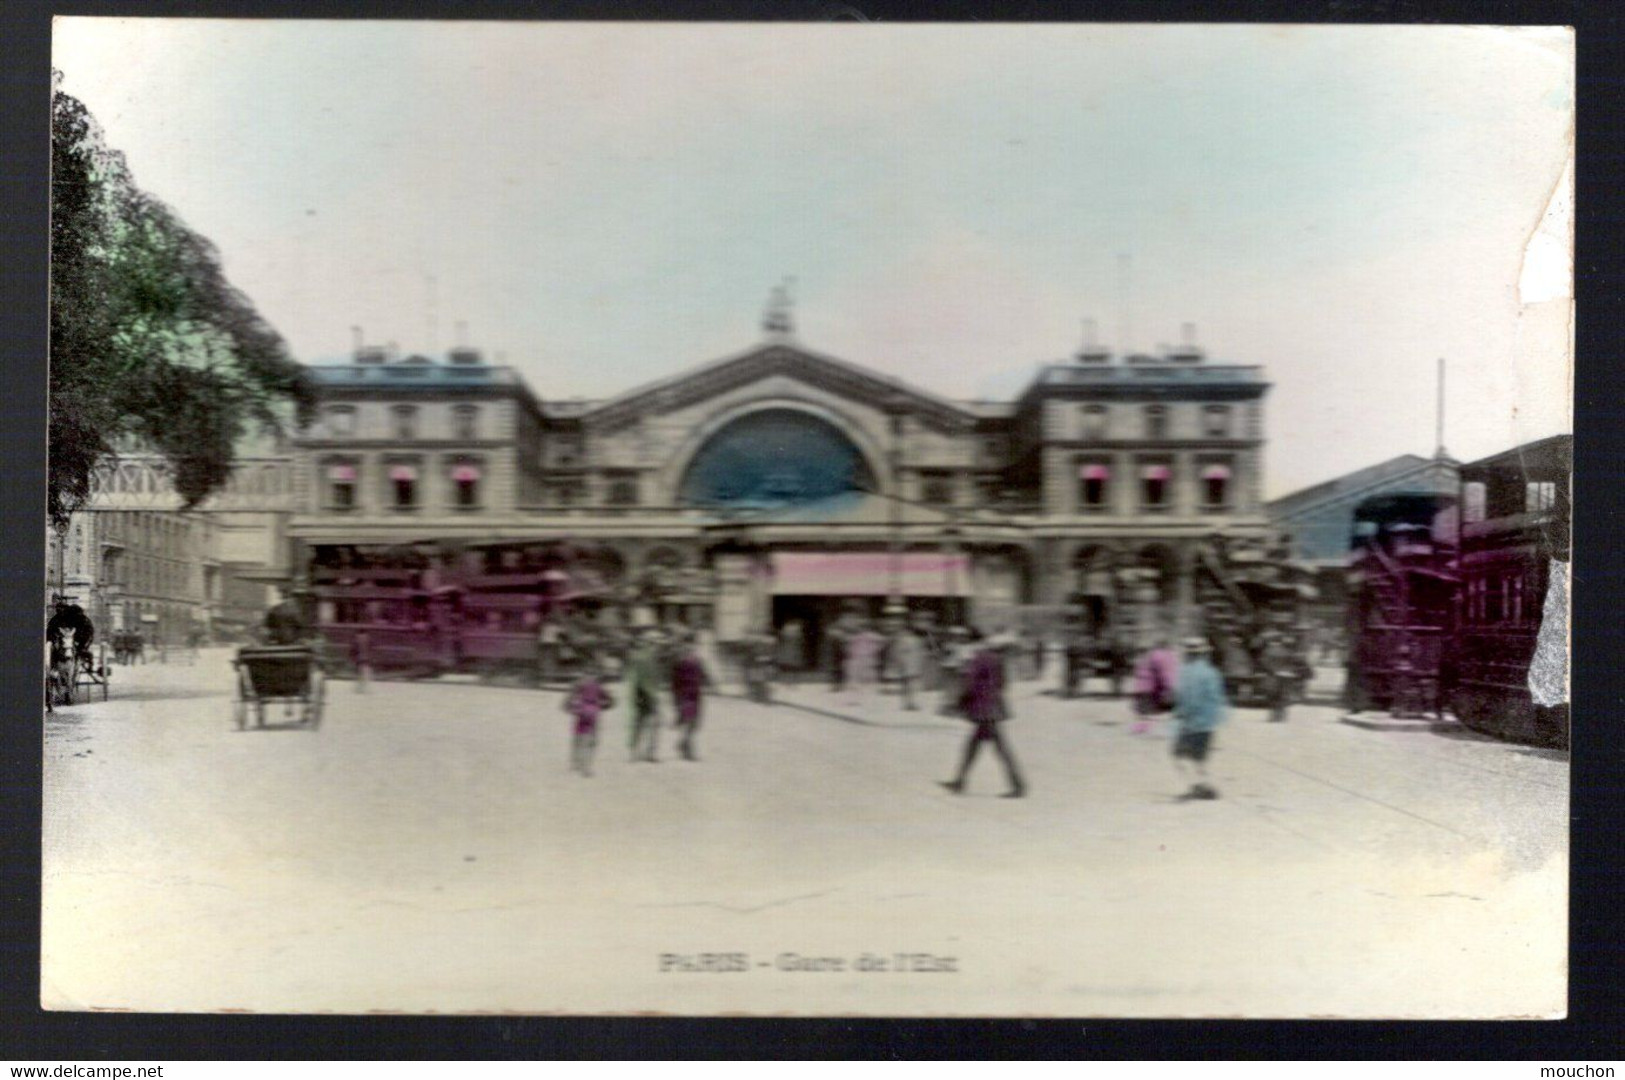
<point>442,608</point>
<point>1514,555</point>
<point>1402,590</point>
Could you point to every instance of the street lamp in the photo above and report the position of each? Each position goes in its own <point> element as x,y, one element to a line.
<point>896,411</point>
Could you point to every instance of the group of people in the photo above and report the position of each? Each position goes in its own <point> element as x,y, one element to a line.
<point>657,665</point>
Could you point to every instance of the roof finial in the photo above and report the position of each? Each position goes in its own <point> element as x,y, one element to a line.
<point>776,321</point>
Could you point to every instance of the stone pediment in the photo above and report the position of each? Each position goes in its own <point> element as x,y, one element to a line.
<point>776,360</point>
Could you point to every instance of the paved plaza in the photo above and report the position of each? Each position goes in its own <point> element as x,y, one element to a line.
<point>428,850</point>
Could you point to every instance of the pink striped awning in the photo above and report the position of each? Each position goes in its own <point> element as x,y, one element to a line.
<point>1096,472</point>
<point>1216,472</point>
<point>465,473</point>
<point>1155,472</point>
<point>403,472</point>
<point>341,473</point>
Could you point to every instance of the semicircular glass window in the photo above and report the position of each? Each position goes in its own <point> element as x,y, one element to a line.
<point>776,457</point>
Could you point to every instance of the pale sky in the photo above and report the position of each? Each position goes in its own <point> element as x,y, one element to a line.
<point>609,204</point>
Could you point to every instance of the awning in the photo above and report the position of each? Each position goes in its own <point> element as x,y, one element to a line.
<point>1096,472</point>
<point>465,473</point>
<point>1155,472</point>
<point>1216,472</point>
<point>341,473</point>
<point>403,472</point>
<point>855,573</point>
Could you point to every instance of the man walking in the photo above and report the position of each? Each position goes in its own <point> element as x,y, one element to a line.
<point>982,703</point>
<point>688,680</point>
<point>1200,707</point>
<point>642,678</point>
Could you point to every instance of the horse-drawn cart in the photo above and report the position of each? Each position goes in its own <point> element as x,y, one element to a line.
<point>273,675</point>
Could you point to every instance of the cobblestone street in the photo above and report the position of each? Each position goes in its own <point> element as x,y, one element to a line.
<point>428,849</point>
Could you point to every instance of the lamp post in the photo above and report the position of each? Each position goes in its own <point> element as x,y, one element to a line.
<point>896,411</point>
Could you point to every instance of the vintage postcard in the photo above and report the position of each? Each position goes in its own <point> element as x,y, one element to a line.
<point>808,520</point>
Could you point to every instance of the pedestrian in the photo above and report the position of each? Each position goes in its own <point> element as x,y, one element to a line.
<point>863,648</point>
<point>983,703</point>
<point>1078,651</point>
<point>1155,677</point>
<point>688,682</point>
<point>1200,707</point>
<point>548,643</point>
<point>1279,672</point>
<point>361,659</point>
<point>905,659</point>
<point>586,702</point>
<point>791,647</point>
<point>643,699</point>
<point>835,646</point>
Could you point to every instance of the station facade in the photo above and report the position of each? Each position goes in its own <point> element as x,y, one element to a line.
<point>784,483</point>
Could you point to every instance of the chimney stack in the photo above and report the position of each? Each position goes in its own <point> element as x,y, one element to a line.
<point>1188,351</point>
<point>1091,352</point>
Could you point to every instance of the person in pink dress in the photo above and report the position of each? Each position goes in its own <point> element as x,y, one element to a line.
<point>587,701</point>
<point>1155,677</point>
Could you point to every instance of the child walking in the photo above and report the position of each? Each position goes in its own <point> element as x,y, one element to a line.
<point>587,701</point>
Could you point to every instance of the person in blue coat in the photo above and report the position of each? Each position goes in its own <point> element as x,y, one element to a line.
<point>1200,707</point>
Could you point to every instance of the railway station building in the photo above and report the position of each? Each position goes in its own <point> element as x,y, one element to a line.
<point>782,483</point>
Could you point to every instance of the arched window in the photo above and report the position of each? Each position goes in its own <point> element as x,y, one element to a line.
<point>466,475</point>
<point>1216,485</point>
<point>402,477</point>
<point>1094,486</point>
<point>341,478</point>
<point>1155,478</point>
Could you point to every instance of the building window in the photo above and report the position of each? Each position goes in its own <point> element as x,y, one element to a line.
<point>465,485</point>
<point>1473,502</point>
<point>567,451</point>
<point>406,421</point>
<point>1094,422</point>
<point>1156,421</point>
<point>465,422</point>
<point>993,448</point>
<point>936,487</point>
<point>1154,485</point>
<point>567,493</point>
<point>341,485</point>
<point>623,489</point>
<point>403,486</point>
<point>1215,486</point>
<point>1216,421</point>
<point>1539,495</point>
<point>341,421</point>
<point>1094,486</point>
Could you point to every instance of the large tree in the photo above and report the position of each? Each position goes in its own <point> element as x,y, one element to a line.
<point>150,344</point>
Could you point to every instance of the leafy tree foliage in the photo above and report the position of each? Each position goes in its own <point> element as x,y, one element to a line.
<point>150,344</point>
